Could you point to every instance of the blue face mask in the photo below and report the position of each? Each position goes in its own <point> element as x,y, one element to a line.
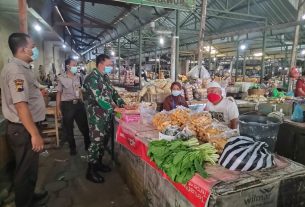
<point>108,69</point>
<point>176,93</point>
<point>35,52</point>
<point>73,69</point>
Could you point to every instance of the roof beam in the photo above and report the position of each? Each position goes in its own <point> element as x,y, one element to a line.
<point>82,11</point>
<point>99,22</point>
<point>75,24</point>
<point>109,2</point>
<point>78,30</point>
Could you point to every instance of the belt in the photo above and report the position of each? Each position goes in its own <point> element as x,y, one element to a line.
<point>75,101</point>
<point>36,123</point>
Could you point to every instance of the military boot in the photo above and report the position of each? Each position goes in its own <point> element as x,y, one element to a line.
<point>92,174</point>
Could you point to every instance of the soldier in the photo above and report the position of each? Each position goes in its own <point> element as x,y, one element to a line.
<point>70,105</point>
<point>24,108</point>
<point>102,99</point>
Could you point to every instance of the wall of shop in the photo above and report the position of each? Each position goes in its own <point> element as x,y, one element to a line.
<point>8,25</point>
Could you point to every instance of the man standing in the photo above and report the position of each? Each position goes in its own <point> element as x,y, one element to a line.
<point>24,108</point>
<point>102,99</point>
<point>70,105</point>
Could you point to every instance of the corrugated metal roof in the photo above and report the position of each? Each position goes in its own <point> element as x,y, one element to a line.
<point>241,17</point>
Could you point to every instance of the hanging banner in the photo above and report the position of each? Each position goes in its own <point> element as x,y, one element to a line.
<point>171,4</point>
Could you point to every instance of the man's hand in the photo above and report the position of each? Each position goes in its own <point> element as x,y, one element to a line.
<point>37,143</point>
<point>59,114</point>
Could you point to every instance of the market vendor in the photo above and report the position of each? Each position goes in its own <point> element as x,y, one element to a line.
<point>223,109</point>
<point>175,99</point>
<point>300,86</point>
<point>102,100</point>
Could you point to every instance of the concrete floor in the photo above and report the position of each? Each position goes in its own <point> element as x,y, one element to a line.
<point>64,178</point>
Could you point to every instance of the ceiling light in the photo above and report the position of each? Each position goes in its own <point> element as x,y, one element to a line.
<point>112,53</point>
<point>75,57</point>
<point>243,47</point>
<point>64,46</point>
<point>37,27</point>
<point>161,40</point>
<point>303,17</point>
<point>303,52</point>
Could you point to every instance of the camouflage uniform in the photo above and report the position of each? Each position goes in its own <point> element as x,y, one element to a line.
<point>99,95</point>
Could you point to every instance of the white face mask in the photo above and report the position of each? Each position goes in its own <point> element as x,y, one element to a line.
<point>176,92</point>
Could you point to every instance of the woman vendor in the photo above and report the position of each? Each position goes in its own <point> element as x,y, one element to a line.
<point>175,99</point>
<point>224,109</point>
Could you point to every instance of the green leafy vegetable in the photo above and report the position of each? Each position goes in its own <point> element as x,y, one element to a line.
<point>180,160</point>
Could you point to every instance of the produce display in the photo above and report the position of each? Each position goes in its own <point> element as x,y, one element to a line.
<point>256,98</point>
<point>180,160</point>
<point>200,125</point>
<point>156,90</point>
<point>129,78</point>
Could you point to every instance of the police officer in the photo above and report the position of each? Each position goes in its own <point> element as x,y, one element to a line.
<point>24,108</point>
<point>70,105</point>
<point>102,99</point>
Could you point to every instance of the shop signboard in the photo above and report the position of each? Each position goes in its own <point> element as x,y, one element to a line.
<point>172,4</point>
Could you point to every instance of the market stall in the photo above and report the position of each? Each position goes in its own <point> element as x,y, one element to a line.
<point>219,186</point>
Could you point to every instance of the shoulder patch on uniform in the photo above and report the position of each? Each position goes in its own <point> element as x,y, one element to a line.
<point>19,85</point>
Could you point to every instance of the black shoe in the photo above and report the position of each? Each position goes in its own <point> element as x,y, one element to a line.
<point>92,174</point>
<point>87,145</point>
<point>103,168</point>
<point>40,199</point>
<point>73,152</point>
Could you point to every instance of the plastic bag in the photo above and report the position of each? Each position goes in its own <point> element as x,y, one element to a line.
<point>244,154</point>
<point>147,112</point>
<point>297,114</point>
<point>194,73</point>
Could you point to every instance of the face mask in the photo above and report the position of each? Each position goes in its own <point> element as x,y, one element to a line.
<point>108,69</point>
<point>176,93</point>
<point>73,69</point>
<point>214,98</point>
<point>35,52</point>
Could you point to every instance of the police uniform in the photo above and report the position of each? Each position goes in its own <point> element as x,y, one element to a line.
<point>19,85</point>
<point>73,108</point>
<point>100,94</point>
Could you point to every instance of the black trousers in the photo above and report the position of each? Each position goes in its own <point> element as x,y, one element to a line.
<point>75,112</point>
<point>26,164</point>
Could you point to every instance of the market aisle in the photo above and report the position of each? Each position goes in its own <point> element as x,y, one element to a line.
<point>64,178</point>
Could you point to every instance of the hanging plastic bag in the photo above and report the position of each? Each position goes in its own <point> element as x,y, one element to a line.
<point>147,112</point>
<point>297,114</point>
<point>244,154</point>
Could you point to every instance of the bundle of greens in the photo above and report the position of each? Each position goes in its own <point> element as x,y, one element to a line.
<point>180,160</point>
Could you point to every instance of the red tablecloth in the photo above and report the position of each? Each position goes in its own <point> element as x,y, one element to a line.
<point>197,190</point>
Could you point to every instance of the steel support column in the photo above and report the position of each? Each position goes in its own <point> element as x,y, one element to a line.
<point>296,36</point>
<point>173,59</point>
<point>236,62</point>
<point>119,59</point>
<point>201,33</point>
<point>23,18</point>
<point>263,56</point>
<point>156,64</point>
<point>177,44</point>
<point>210,51</point>
<point>140,55</point>
<point>244,67</point>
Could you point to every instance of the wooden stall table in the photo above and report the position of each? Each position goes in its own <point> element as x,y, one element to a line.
<point>282,185</point>
<point>291,141</point>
